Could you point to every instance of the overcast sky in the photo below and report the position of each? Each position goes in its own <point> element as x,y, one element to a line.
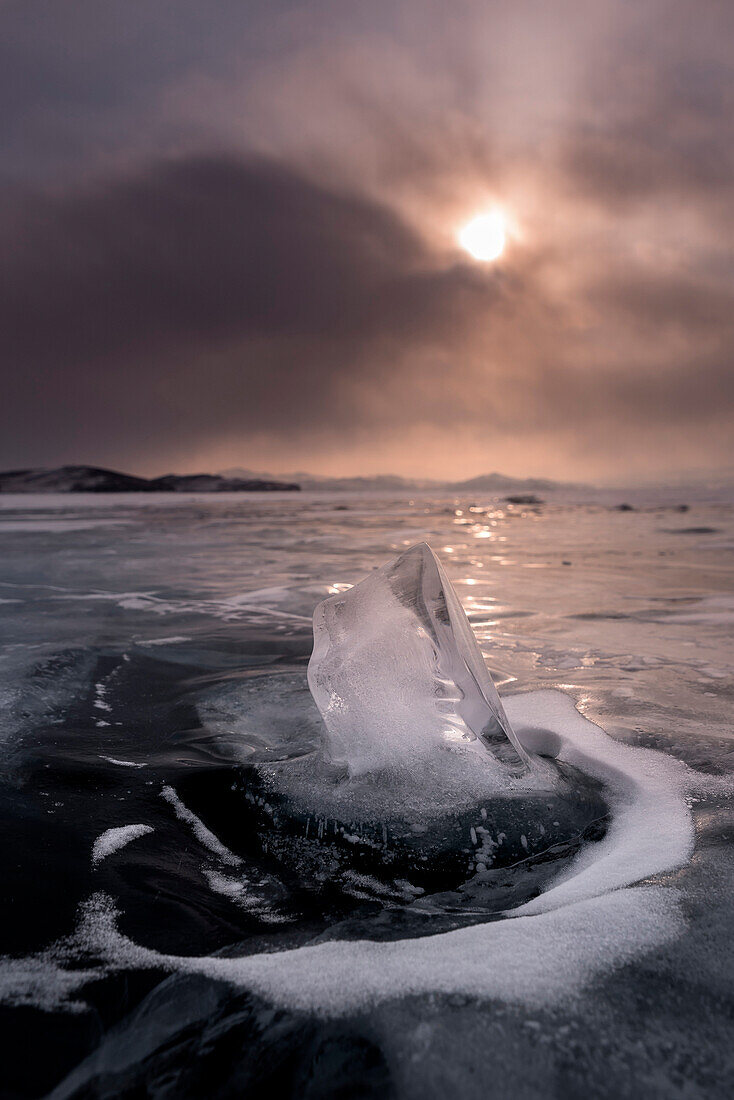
<point>229,236</point>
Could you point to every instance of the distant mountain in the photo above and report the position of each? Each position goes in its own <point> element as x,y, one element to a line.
<point>392,483</point>
<point>382,483</point>
<point>215,483</point>
<point>388,483</point>
<point>500,483</point>
<point>93,479</point>
<point>71,479</point>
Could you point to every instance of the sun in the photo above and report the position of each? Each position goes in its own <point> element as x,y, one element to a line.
<point>485,236</point>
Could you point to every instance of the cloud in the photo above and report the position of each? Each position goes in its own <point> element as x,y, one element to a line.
<point>234,285</point>
<point>175,296</point>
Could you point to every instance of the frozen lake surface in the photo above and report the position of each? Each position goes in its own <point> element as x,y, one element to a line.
<point>153,660</point>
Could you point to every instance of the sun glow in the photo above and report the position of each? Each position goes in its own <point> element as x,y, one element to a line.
<point>485,236</point>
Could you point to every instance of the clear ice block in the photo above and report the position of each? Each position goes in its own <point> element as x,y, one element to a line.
<point>397,674</point>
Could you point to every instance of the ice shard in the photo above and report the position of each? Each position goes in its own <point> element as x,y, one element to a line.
<point>397,674</point>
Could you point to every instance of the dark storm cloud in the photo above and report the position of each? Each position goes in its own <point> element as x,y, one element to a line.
<point>281,282</point>
<point>206,249</point>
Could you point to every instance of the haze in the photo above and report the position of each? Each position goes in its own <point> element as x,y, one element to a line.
<point>229,236</point>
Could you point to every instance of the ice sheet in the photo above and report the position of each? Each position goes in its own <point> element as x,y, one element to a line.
<point>591,921</point>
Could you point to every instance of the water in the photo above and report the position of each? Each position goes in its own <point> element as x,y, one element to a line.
<point>155,650</point>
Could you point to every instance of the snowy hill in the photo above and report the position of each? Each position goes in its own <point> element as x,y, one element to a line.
<point>94,479</point>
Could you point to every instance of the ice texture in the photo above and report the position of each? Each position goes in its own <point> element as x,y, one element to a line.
<point>397,673</point>
<point>592,922</point>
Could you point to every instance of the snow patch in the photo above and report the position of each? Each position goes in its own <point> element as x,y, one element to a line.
<point>650,832</point>
<point>199,829</point>
<point>122,763</point>
<point>533,961</point>
<point>111,840</point>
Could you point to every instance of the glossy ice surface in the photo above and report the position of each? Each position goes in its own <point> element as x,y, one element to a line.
<point>151,648</point>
